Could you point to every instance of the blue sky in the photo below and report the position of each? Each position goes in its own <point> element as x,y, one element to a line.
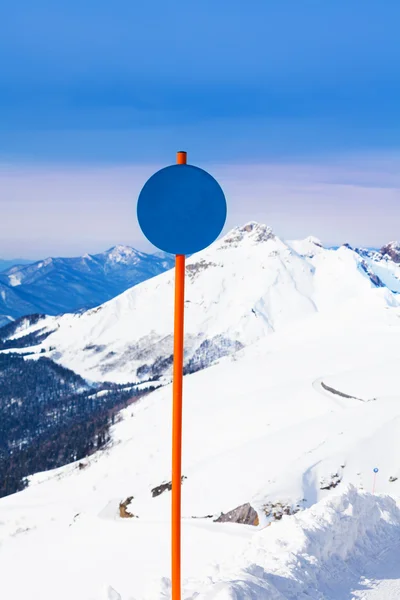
<point>106,84</point>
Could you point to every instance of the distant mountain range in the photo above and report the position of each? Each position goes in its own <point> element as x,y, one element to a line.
<point>54,286</point>
<point>7,264</point>
<point>389,252</point>
<point>58,285</point>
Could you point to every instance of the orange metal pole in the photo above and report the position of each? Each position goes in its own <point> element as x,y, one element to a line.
<point>177,416</point>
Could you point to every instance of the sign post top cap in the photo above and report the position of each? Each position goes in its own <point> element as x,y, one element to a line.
<point>181,157</point>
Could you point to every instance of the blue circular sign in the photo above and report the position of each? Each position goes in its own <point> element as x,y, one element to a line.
<point>181,209</point>
<point>376,470</point>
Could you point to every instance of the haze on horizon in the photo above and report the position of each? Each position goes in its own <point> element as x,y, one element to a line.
<point>292,106</point>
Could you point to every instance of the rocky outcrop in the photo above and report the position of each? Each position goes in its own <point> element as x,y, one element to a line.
<point>392,251</point>
<point>373,276</point>
<point>210,351</point>
<point>276,510</point>
<point>123,509</point>
<point>244,514</point>
<point>252,232</point>
<point>193,269</point>
<point>164,487</point>
<point>331,482</point>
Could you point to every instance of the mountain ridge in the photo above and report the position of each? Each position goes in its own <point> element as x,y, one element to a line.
<point>6,264</point>
<point>246,285</point>
<point>57,285</point>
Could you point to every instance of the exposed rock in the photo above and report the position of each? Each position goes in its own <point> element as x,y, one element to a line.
<point>393,479</point>
<point>74,519</point>
<point>276,510</point>
<point>123,512</point>
<point>314,240</point>
<point>202,265</point>
<point>392,250</point>
<point>209,351</point>
<point>373,276</point>
<point>330,483</point>
<point>164,487</point>
<point>244,514</point>
<point>254,232</point>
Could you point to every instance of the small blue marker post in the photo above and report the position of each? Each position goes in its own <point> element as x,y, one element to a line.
<point>181,210</point>
<point>376,470</point>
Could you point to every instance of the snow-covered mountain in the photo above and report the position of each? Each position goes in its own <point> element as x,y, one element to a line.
<point>389,252</point>
<point>8,263</point>
<point>286,424</point>
<point>244,287</point>
<point>385,263</point>
<point>293,419</point>
<point>58,285</point>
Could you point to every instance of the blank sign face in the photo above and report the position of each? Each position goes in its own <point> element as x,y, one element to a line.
<point>181,209</point>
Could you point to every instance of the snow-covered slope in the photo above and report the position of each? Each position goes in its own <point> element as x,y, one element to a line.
<point>285,422</point>
<point>58,285</point>
<point>385,263</point>
<point>13,303</point>
<point>345,547</point>
<point>313,406</point>
<point>242,288</point>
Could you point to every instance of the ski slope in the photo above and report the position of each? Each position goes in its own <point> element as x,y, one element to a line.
<point>258,428</point>
<point>300,415</point>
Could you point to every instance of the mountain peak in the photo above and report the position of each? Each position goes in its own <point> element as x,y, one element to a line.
<point>308,247</point>
<point>121,253</point>
<point>251,233</point>
<point>122,249</point>
<point>46,262</point>
<point>314,240</point>
<point>392,251</point>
